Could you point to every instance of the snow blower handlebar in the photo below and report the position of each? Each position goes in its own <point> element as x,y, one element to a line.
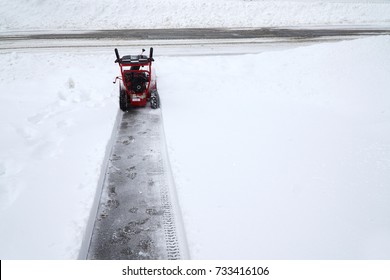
<point>119,60</point>
<point>151,54</point>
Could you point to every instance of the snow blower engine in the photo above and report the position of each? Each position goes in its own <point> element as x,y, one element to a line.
<point>137,83</point>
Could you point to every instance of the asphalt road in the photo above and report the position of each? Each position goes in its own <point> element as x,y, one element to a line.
<point>196,33</point>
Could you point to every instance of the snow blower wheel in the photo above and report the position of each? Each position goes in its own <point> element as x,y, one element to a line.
<point>154,100</point>
<point>124,101</point>
<point>138,81</point>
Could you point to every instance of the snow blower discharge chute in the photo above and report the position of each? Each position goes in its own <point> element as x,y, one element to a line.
<point>137,83</point>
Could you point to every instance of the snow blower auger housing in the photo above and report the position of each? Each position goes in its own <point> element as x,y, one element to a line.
<point>137,83</point>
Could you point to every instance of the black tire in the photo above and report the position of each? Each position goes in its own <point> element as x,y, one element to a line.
<point>124,102</point>
<point>154,100</point>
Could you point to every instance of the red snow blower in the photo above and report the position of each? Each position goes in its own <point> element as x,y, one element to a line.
<point>137,81</point>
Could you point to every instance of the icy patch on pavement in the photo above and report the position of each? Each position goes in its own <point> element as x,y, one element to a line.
<point>282,155</point>
<point>114,14</point>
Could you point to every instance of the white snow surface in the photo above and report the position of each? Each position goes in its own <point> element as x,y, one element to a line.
<point>282,155</point>
<point>56,116</point>
<point>24,15</point>
<point>278,155</point>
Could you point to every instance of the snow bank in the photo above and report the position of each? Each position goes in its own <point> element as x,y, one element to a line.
<point>111,14</point>
<point>56,116</point>
<point>282,155</point>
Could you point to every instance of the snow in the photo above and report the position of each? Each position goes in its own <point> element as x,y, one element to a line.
<point>23,15</point>
<point>282,155</point>
<point>57,114</point>
<point>278,155</point>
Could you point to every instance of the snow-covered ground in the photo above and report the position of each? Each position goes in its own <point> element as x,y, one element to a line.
<point>275,155</point>
<point>283,155</point>
<point>23,15</point>
<point>56,117</point>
